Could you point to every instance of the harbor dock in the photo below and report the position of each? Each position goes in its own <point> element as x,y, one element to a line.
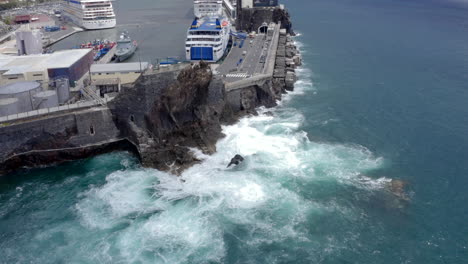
<point>54,37</point>
<point>108,57</point>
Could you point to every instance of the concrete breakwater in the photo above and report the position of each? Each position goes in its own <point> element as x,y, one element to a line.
<point>161,118</point>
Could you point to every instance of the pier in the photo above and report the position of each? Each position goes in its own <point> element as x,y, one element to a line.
<point>54,37</point>
<point>108,57</point>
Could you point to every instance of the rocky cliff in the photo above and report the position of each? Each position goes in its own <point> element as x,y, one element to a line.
<point>177,112</point>
<point>250,19</point>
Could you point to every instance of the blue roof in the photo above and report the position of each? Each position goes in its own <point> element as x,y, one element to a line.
<point>206,24</point>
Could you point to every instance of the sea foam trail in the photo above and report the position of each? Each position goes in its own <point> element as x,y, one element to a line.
<point>210,210</point>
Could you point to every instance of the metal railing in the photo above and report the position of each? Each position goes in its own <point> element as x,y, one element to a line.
<point>91,95</point>
<point>57,109</point>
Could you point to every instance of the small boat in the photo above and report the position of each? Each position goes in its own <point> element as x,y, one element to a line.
<point>99,47</point>
<point>126,47</point>
<point>101,53</point>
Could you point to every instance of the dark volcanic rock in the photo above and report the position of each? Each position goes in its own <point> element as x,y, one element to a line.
<point>180,114</point>
<point>238,159</point>
<point>250,19</point>
<point>53,156</point>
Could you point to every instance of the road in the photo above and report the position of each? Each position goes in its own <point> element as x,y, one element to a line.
<point>238,66</point>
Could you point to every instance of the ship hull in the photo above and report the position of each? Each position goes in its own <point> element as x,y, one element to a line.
<point>104,24</point>
<point>74,12</point>
<point>124,56</point>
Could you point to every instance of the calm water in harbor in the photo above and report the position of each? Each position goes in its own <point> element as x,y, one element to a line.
<point>159,26</point>
<point>382,95</point>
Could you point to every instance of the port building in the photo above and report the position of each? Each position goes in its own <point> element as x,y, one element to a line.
<point>109,77</point>
<point>43,68</point>
<point>127,72</point>
<point>257,3</point>
<point>34,20</point>
<point>28,41</point>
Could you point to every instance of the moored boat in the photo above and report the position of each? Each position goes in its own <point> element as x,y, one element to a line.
<point>126,47</point>
<point>90,14</point>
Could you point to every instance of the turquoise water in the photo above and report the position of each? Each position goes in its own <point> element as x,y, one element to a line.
<point>382,96</point>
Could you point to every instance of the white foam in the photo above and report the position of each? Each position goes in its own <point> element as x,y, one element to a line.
<point>185,220</point>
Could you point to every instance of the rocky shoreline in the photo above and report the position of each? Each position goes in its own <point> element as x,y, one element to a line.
<point>160,118</point>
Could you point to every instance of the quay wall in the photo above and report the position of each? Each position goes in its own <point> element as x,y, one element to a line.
<point>56,139</point>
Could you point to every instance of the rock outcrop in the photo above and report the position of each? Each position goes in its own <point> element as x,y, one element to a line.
<point>238,159</point>
<point>181,111</point>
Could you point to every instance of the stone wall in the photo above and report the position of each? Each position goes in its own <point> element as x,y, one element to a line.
<point>56,139</point>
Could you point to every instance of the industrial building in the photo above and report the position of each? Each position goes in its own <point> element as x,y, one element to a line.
<point>265,3</point>
<point>67,64</point>
<point>35,20</point>
<point>109,77</point>
<point>28,41</point>
<point>257,3</point>
<point>21,97</point>
<point>23,92</point>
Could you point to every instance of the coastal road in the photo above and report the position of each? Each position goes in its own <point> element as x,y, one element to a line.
<point>252,61</point>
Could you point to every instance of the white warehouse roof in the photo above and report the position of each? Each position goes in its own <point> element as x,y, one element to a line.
<point>12,65</point>
<point>119,67</point>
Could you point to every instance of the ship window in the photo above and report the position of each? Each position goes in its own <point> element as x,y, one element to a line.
<point>132,118</point>
<point>91,130</point>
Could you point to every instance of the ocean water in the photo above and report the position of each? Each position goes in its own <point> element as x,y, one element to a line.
<point>382,95</point>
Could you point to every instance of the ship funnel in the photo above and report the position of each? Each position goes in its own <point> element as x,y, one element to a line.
<point>195,23</point>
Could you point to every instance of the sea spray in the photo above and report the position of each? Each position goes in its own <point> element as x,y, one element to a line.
<point>209,210</point>
<point>273,208</point>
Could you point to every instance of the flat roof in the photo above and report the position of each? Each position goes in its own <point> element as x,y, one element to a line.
<point>13,65</point>
<point>119,67</point>
<point>18,87</point>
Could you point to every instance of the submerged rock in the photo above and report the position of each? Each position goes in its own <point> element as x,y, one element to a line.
<point>397,187</point>
<point>238,159</point>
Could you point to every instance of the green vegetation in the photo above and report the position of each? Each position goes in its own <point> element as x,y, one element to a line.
<point>12,4</point>
<point>15,4</point>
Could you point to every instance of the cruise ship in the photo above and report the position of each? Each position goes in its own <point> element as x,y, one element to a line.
<point>90,14</point>
<point>207,39</point>
<point>208,36</point>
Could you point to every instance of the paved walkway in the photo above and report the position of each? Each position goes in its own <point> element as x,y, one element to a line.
<point>48,111</point>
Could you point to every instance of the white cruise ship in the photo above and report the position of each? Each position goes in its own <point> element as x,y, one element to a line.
<point>210,8</point>
<point>90,14</point>
<point>207,39</point>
